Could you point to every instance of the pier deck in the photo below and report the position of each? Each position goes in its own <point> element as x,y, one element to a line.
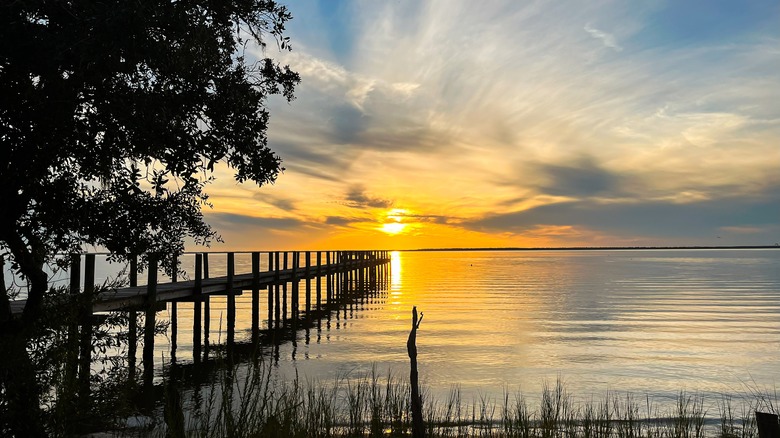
<point>136,297</point>
<point>336,277</point>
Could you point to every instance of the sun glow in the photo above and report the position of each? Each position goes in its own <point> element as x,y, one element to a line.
<point>394,224</point>
<point>397,214</point>
<point>393,227</point>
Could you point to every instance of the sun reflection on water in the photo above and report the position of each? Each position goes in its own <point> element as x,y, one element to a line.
<point>395,273</point>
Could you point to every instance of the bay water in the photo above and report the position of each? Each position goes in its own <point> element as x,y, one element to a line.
<point>647,322</point>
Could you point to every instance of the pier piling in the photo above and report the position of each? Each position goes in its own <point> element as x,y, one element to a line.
<point>149,323</point>
<point>132,323</point>
<point>231,300</point>
<point>308,282</point>
<point>277,289</point>
<point>270,292</point>
<point>174,311</point>
<point>206,308</point>
<point>197,304</point>
<point>255,296</point>
<point>85,319</point>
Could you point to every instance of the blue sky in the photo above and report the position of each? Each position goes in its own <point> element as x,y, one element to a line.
<point>506,123</point>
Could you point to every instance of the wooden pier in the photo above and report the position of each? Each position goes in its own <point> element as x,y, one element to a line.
<point>326,276</point>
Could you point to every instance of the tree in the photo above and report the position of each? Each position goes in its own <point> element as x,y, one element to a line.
<point>113,115</point>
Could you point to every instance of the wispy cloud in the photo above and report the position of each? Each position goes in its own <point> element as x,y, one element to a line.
<point>606,38</point>
<point>487,115</point>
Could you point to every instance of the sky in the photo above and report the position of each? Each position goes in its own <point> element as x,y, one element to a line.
<point>455,123</point>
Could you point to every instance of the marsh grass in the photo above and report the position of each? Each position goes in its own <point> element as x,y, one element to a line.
<point>255,403</point>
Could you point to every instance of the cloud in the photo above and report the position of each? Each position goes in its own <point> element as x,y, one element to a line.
<point>743,230</point>
<point>431,218</point>
<point>693,220</point>
<point>280,202</point>
<point>233,221</point>
<point>315,158</point>
<point>341,220</point>
<point>607,39</point>
<point>358,198</point>
<point>580,179</point>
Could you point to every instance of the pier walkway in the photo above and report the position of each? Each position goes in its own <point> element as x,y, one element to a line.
<point>320,278</point>
<point>134,297</point>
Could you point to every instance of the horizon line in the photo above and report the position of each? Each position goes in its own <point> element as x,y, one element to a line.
<point>591,248</point>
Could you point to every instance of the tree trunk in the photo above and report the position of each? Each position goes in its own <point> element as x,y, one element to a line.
<point>23,413</point>
<point>418,427</point>
<point>17,372</point>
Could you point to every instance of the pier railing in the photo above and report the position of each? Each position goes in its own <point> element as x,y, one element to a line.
<point>326,276</point>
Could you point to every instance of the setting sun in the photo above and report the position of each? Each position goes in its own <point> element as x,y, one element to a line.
<point>393,227</point>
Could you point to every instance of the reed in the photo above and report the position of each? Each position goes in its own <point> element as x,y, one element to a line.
<point>254,403</point>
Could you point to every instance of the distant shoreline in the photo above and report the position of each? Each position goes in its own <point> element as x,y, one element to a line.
<point>592,248</point>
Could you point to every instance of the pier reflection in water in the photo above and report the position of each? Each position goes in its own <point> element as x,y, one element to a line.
<point>304,305</point>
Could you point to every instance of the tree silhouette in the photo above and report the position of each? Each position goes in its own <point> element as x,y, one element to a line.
<point>113,115</point>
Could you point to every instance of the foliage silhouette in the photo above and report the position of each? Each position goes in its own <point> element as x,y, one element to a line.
<point>113,116</point>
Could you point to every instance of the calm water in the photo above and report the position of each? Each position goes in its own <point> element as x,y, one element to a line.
<point>650,322</point>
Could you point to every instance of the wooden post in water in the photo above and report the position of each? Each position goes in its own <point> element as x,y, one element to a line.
<point>338,277</point>
<point>370,271</point>
<point>72,361</point>
<point>149,323</point>
<point>377,263</point>
<point>379,267</point>
<point>418,428</point>
<point>196,308</point>
<point>270,293</point>
<point>294,286</point>
<point>361,273</point>
<point>85,342</point>
<point>255,296</point>
<point>337,261</point>
<point>308,283</point>
<point>174,310</point>
<point>231,301</point>
<point>319,280</point>
<point>365,268</point>
<point>277,305</point>
<point>69,396</point>
<point>349,275</point>
<point>284,292</point>
<point>385,265</point>
<point>328,282</point>
<point>768,426</point>
<point>132,325</point>
<point>206,307</point>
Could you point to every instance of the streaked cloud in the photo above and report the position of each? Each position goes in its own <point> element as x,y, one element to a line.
<point>606,38</point>
<point>524,124</point>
